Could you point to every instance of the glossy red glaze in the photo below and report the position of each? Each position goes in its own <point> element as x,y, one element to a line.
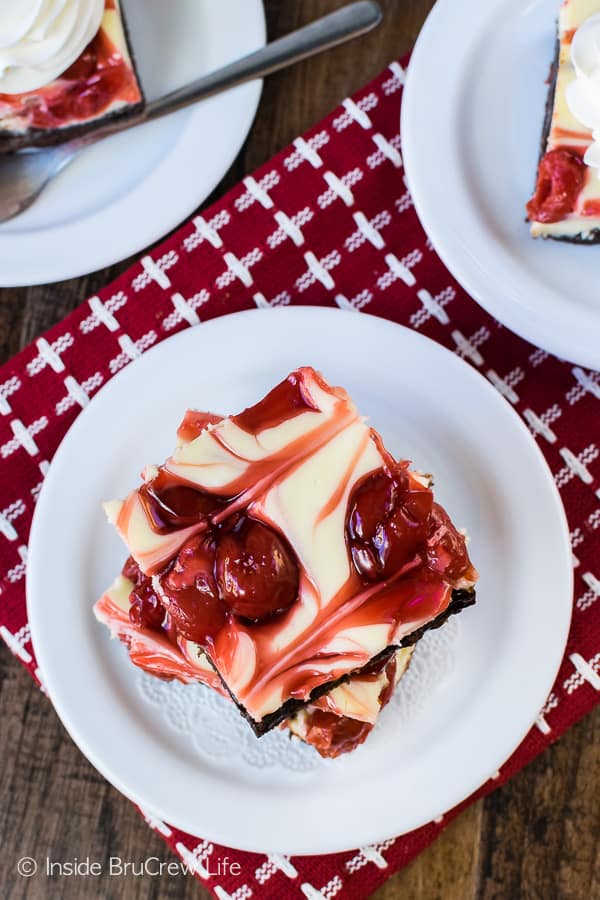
<point>561,176</point>
<point>256,572</point>
<point>189,584</point>
<point>170,505</point>
<point>194,423</point>
<point>333,735</point>
<point>285,401</point>
<point>99,78</point>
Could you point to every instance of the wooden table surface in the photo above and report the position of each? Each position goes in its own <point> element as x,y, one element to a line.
<point>537,837</point>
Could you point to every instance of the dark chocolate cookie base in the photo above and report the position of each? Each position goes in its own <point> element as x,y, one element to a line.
<point>591,237</point>
<point>12,141</point>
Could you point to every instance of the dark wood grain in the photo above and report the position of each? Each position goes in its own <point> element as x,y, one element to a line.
<point>537,837</point>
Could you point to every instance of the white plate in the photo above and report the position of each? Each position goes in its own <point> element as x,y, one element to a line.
<point>471,127</point>
<point>492,477</point>
<point>129,190</point>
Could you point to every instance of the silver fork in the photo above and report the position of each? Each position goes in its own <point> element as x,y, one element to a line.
<point>24,175</point>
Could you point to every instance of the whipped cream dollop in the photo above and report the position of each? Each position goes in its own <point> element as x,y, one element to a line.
<point>583,94</point>
<point>40,39</point>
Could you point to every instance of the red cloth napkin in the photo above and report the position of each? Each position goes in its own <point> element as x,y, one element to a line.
<point>327,221</point>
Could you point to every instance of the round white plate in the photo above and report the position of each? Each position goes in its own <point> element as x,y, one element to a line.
<point>471,127</point>
<point>128,191</point>
<point>489,473</point>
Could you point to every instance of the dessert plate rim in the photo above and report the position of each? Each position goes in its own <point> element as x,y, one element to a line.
<point>46,244</point>
<point>509,286</point>
<point>281,827</point>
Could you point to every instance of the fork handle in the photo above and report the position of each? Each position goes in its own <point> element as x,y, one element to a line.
<point>349,22</point>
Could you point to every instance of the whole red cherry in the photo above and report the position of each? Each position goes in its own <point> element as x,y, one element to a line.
<point>561,177</point>
<point>132,571</point>
<point>193,567</point>
<point>195,609</point>
<point>387,523</point>
<point>256,572</point>
<point>446,547</point>
<point>146,610</point>
<point>173,506</point>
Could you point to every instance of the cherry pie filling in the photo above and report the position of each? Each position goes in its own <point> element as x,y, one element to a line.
<point>236,566</point>
<point>560,180</point>
<point>95,81</point>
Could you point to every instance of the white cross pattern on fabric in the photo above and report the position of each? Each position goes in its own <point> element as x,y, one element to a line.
<point>7,389</point>
<point>333,887</point>
<point>397,80</point>
<point>8,516</point>
<point>368,230</point>
<point>78,394</point>
<point>339,188</point>
<point>593,591</point>
<point>540,425</point>
<point>289,227</point>
<point>576,465</point>
<point>400,269</point>
<point>282,299</point>
<point>318,270</point>
<point>154,270</point>
<point>577,537</point>
<point>372,853</point>
<point>185,310</point>
<point>207,231</point>
<point>24,437</point>
<point>195,859</point>
<point>156,824</point>
<point>131,350</point>
<point>15,644</point>
<point>587,383</point>
<point>432,306</point>
<point>389,150</point>
<point>18,572</point>
<point>505,385</point>
<point>275,862</point>
<point>403,203</point>
<point>355,304</point>
<point>239,268</point>
<point>348,181</point>
<point>538,357</point>
<point>542,724</point>
<point>585,671</point>
<point>241,893</point>
<point>49,354</point>
<point>103,313</point>
<point>356,112</point>
<point>469,346</point>
<point>307,151</point>
<point>257,191</point>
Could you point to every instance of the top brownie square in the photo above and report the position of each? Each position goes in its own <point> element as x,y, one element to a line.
<point>290,545</point>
